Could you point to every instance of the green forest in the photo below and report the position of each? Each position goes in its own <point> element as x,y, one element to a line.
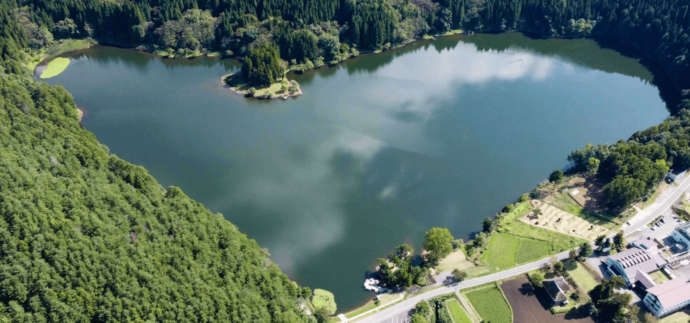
<point>314,32</point>
<point>86,236</point>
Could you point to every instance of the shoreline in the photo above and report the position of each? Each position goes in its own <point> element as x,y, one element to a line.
<point>37,60</point>
<point>272,92</point>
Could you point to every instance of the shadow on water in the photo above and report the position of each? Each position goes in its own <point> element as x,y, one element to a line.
<point>583,52</point>
<point>140,60</point>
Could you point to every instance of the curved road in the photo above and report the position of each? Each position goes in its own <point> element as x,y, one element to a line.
<point>662,203</point>
<point>398,312</point>
<point>401,309</point>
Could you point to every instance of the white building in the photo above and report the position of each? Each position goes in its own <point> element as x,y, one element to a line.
<point>633,263</point>
<point>668,297</point>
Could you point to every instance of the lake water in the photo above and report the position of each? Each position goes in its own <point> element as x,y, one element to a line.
<point>378,150</point>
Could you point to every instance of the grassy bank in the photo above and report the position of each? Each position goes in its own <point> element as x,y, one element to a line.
<point>55,67</point>
<point>515,242</point>
<point>59,47</point>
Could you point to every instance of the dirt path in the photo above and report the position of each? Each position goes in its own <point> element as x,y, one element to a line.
<point>526,305</point>
<point>471,312</point>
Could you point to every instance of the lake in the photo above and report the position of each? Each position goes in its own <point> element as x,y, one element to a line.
<point>377,151</point>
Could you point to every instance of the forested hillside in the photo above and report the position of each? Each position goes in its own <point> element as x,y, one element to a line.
<point>314,32</point>
<point>86,236</point>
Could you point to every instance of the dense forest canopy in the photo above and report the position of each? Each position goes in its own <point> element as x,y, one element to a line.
<point>86,236</point>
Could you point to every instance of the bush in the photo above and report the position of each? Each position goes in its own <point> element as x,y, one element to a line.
<point>556,176</point>
<point>324,300</point>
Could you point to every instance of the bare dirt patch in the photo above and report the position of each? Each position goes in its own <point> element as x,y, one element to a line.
<point>458,260</point>
<point>527,307</point>
<point>550,217</point>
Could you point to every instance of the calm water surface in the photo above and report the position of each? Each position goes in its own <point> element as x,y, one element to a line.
<point>377,151</point>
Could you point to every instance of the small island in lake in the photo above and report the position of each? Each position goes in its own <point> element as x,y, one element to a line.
<point>262,76</point>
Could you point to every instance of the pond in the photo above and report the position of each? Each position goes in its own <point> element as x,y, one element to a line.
<point>377,151</point>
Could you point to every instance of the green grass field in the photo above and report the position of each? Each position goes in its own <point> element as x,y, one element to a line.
<point>517,242</point>
<point>490,303</point>
<point>531,250</point>
<point>55,67</point>
<point>502,251</point>
<point>456,312</point>
<point>583,278</point>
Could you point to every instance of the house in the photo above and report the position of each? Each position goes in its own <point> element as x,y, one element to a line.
<point>633,263</point>
<point>557,289</point>
<point>668,297</point>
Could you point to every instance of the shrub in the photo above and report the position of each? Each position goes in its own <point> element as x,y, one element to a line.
<point>324,300</point>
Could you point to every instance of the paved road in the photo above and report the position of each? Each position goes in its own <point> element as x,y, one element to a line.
<point>399,311</point>
<point>396,311</point>
<point>662,203</point>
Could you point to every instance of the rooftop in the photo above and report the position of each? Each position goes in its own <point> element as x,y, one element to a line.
<point>685,229</point>
<point>637,259</point>
<point>556,288</point>
<point>644,279</point>
<point>672,292</point>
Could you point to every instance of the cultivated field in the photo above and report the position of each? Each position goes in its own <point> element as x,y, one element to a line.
<point>553,218</point>
<point>490,303</point>
<point>526,306</point>
<point>456,311</point>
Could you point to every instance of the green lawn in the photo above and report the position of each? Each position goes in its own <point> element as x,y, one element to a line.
<point>502,251</point>
<point>55,67</point>
<point>516,242</point>
<point>583,278</point>
<point>490,303</point>
<point>507,250</point>
<point>369,305</point>
<point>456,312</point>
<point>531,250</point>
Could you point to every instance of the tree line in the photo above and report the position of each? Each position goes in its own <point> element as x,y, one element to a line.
<point>655,30</point>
